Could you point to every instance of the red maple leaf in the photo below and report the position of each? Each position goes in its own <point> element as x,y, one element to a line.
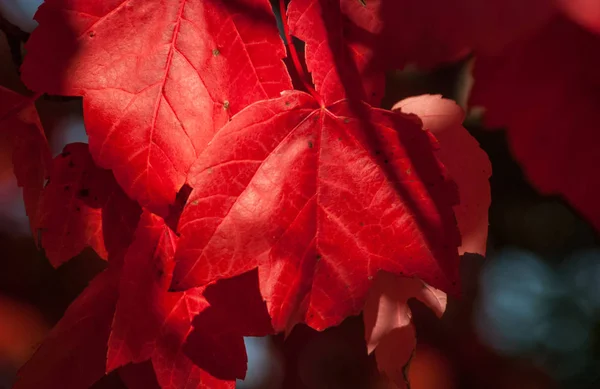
<point>389,331</point>
<point>81,206</point>
<point>31,154</point>
<point>158,78</point>
<point>151,323</point>
<point>319,200</point>
<point>73,355</point>
<point>236,309</point>
<point>468,165</point>
<point>338,55</point>
<point>542,91</point>
<point>351,43</point>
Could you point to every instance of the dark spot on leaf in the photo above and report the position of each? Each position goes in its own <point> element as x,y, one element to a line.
<point>226,104</point>
<point>84,192</point>
<point>67,187</point>
<point>216,52</point>
<point>92,34</point>
<point>287,103</point>
<point>310,144</point>
<point>195,202</point>
<point>386,161</point>
<point>361,224</point>
<point>319,257</point>
<point>71,164</point>
<point>346,120</point>
<point>377,152</point>
<point>78,209</point>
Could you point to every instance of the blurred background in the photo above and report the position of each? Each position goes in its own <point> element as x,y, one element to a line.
<point>529,318</point>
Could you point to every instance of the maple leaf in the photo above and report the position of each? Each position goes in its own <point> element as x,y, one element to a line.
<point>151,323</point>
<point>407,31</point>
<point>31,154</point>
<point>236,309</point>
<point>542,91</point>
<point>389,331</point>
<point>338,55</point>
<point>73,355</point>
<point>468,165</point>
<point>81,206</point>
<point>351,43</point>
<point>319,200</point>
<point>158,78</point>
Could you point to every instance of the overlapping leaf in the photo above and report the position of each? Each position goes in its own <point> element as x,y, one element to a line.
<point>151,323</point>
<point>389,331</point>
<point>544,91</point>
<point>31,154</point>
<point>320,200</point>
<point>428,32</point>
<point>158,78</point>
<point>339,55</point>
<point>82,206</point>
<point>468,165</point>
<point>351,43</point>
<point>73,356</point>
<point>236,309</point>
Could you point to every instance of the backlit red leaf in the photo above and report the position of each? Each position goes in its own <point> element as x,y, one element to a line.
<point>30,152</point>
<point>158,78</point>
<point>81,206</point>
<point>351,43</point>
<point>236,309</point>
<point>151,323</point>
<point>542,91</point>
<point>319,200</point>
<point>66,222</point>
<point>147,270</point>
<point>389,330</point>
<point>466,162</point>
<point>73,356</point>
<point>338,55</point>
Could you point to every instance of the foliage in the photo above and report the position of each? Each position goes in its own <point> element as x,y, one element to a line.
<point>236,190</point>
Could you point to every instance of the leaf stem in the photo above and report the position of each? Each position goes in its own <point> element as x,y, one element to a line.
<point>294,55</point>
